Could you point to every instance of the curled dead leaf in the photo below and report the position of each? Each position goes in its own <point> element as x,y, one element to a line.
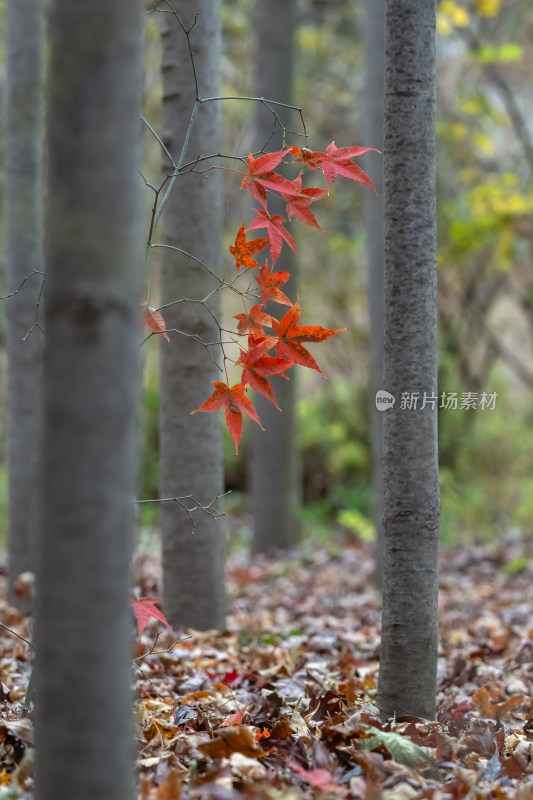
<point>232,740</point>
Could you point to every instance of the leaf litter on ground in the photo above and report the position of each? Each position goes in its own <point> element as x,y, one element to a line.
<point>283,703</point>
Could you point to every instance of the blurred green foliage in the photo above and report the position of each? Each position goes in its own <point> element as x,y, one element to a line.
<point>486,476</point>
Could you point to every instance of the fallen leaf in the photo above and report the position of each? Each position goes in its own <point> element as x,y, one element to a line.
<point>402,749</point>
<point>170,789</point>
<point>316,777</point>
<point>237,717</point>
<point>232,740</point>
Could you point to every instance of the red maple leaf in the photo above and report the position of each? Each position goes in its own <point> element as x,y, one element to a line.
<point>290,335</point>
<point>253,321</point>
<point>298,201</point>
<point>335,161</point>
<point>269,283</point>
<point>257,366</point>
<point>155,320</point>
<point>277,233</point>
<point>316,777</point>
<point>235,403</point>
<point>144,609</point>
<point>261,176</point>
<point>232,679</point>
<point>266,342</point>
<point>243,250</point>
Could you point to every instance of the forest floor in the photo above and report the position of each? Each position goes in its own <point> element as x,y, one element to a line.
<point>282,704</point>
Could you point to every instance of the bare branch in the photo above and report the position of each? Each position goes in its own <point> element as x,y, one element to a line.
<point>10,630</point>
<point>37,324</point>
<point>181,501</point>
<point>35,272</point>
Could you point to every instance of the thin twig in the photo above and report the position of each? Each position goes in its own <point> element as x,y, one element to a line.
<point>37,324</point>
<point>160,652</point>
<point>10,630</point>
<point>208,509</point>
<point>160,142</point>
<point>35,272</point>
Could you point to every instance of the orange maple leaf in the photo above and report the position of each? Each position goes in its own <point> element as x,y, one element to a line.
<point>235,403</point>
<point>277,233</point>
<point>253,321</point>
<point>261,176</point>
<point>236,718</point>
<point>269,284</point>
<point>290,336</point>
<point>335,161</point>
<point>155,320</point>
<point>257,366</point>
<point>243,250</point>
<point>266,342</point>
<point>298,201</point>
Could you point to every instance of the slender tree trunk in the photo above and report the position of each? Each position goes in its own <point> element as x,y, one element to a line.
<point>191,446</point>
<point>23,214</point>
<point>83,713</point>
<point>407,678</point>
<point>275,468</point>
<point>373,209</point>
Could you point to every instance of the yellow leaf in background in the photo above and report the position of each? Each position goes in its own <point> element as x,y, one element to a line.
<point>470,106</point>
<point>488,8</point>
<point>450,14</point>
<point>443,25</point>
<point>518,204</point>
<point>459,131</point>
<point>483,143</point>
<point>460,17</point>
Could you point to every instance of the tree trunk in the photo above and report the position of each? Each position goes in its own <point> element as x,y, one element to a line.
<point>83,713</point>
<point>191,446</point>
<point>23,214</point>
<point>407,678</point>
<point>373,210</point>
<point>275,468</point>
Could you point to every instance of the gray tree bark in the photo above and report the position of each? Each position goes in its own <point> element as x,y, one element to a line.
<point>191,446</point>
<point>83,709</point>
<point>23,250</point>
<point>374,34</point>
<point>275,466</point>
<point>407,677</point>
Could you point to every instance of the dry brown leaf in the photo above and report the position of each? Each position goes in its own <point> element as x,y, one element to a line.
<point>170,789</point>
<point>493,705</point>
<point>232,740</point>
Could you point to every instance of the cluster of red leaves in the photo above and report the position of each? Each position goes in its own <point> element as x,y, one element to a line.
<point>284,336</point>
<point>287,336</point>
<point>283,703</point>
